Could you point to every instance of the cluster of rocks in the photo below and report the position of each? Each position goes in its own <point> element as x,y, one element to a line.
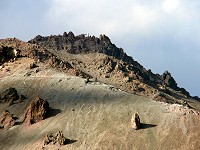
<point>10,96</point>
<point>82,44</point>
<point>37,110</point>
<point>54,61</point>
<point>58,139</point>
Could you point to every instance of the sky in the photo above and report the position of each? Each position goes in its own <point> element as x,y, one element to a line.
<point>159,34</point>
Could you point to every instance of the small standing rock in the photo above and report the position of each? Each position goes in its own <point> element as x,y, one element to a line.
<point>135,121</point>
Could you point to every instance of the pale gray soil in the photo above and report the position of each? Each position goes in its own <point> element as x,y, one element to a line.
<point>95,115</point>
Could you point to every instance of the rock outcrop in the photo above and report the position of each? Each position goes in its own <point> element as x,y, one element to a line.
<point>6,54</point>
<point>58,138</point>
<point>74,55</point>
<point>82,44</point>
<point>38,110</point>
<point>6,120</point>
<point>9,95</point>
<point>135,121</point>
<point>170,82</point>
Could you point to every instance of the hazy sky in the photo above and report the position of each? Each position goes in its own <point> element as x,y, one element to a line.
<point>159,34</point>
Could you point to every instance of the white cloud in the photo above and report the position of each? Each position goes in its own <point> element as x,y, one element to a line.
<point>110,17</point>
<point>170,5</point>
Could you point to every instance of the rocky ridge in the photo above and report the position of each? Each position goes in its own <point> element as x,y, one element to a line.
<point>99,58</point>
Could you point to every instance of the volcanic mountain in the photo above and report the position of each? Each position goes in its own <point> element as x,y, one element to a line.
<point>88,88</point>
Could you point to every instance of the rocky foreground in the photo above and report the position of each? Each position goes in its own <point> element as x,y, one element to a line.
<point>89,95</point>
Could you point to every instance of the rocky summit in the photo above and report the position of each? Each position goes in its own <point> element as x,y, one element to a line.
<point>87,89</point>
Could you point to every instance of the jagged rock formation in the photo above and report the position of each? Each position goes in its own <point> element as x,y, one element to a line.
<point>10,96</point>
<point>170,82</point>
<point>135,121</point>
<point>6,120</point>
<point>38,110</point>
<point>58,138</point>
<point>82,44</point>
<point>91,57</point>
<point>39,53</point>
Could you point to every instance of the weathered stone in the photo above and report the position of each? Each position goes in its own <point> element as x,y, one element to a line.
<point>38,110</point>
<point>6,120</point>
<point>60,139</point>
<point>135,121</point>
<point>57,139</point>
<point>9,94</point>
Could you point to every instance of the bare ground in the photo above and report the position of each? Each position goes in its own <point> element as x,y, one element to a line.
<point>93,115</point>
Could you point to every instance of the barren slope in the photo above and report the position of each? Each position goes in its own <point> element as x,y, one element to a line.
<point>95,115</point>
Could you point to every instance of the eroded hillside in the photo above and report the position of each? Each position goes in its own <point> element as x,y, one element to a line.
<point>80,92</point>
<point>97,58</point>
<point>91,114</point>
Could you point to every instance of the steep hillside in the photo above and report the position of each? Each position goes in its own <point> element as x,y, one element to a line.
<point>80,92</point>
<point>91,114</point>
<point>97,58</point>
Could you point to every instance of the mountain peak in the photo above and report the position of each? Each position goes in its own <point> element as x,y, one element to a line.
<point>98,57</point>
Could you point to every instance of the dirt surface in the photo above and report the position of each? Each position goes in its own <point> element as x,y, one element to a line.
<point>93,115</point>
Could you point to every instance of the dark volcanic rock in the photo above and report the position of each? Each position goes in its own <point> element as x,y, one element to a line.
<point>9,95</point>
<point>169,80</point>
<point>6,54</point>
<point>82,44</point>
<point>38,110</point>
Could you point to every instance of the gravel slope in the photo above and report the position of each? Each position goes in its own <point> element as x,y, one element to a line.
<point>94,115</point>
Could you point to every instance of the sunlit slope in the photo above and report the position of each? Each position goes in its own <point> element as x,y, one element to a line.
<point>95,115</point>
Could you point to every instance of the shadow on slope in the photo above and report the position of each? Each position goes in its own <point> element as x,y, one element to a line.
<point>53,112</point>
<point>146,125</point>
<point>71,141</point>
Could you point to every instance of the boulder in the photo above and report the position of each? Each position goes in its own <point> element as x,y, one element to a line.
<point>135,121</point>
<point>38,110</point>
<point>9,95</point>
<point>6,120</point>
